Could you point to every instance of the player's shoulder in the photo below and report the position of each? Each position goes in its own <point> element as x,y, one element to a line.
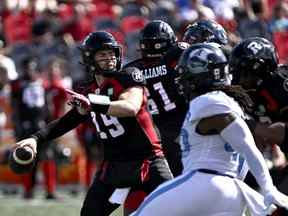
<point>177,49</point>
<point>85,87</point>
<point>135,63</point>
<point>131,76</point>
<point>213,103</point>
<point>278,80</point>
<point>173,54</point>
<point>281,72</point>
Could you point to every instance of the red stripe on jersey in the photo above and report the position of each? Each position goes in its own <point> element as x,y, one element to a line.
<point>118,88</point>
<point>146,123</point>
<point>272,104</point>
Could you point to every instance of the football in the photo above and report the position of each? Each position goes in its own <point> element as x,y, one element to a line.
<point>22,160</point>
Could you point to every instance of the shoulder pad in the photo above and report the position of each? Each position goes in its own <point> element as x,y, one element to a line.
<point>282,71</point>
<point>86,87</point>
<point>131,76</point>
<point>211,104</point>
<point>173,54</point>
<point>183,45</point>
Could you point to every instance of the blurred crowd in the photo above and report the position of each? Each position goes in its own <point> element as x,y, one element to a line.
<point>39,42</point>
<point>49,28</point>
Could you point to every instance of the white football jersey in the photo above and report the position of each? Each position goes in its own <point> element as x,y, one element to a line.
<point>210,151</point>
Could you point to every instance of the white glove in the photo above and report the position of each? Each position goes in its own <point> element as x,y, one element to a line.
<point>276,197</point>
<point>31,142</point>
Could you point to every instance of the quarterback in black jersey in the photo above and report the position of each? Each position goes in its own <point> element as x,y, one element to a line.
<point>117,103</point>
<point>254,65</point>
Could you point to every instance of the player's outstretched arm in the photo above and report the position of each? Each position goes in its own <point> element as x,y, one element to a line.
<point>239,136</point>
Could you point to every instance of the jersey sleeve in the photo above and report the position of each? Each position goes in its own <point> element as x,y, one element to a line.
<point>131,77</point>
<point>212,104</point>
<point>60,126</point>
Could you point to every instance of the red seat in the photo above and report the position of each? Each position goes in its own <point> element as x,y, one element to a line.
<point>17,27</point>
<point>132,23</point>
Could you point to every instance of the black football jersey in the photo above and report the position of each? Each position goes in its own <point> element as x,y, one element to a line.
<point>271,98</point>
<point>163,99</point>
<point>126,138</point>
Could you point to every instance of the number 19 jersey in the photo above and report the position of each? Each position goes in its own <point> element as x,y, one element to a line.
<point>126,138</point>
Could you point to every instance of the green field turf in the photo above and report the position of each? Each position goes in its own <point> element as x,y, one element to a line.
<point>66,206</point>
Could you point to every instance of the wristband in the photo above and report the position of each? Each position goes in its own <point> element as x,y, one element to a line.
<point>35,137</point>
<point>99,103</point>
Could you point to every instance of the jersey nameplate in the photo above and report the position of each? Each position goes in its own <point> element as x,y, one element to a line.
<point>155,72</point>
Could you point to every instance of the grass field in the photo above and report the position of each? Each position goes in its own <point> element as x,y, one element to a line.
<point>67,205</point>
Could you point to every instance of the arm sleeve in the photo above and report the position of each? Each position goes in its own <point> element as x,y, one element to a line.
<point>60,126</point>
<point>238,135</point>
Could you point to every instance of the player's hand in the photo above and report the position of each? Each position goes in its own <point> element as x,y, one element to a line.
<point>79,101</point>
<point>276,197</point>
<point>31,142</point>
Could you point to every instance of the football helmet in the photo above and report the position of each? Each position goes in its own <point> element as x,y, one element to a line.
<point>95,41</point>
<point>205,31</point>
<point>156,38</point>
<point>256,56</point>
<point>202,67</point>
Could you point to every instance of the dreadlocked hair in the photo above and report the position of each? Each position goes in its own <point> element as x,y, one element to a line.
<point>240,95</point>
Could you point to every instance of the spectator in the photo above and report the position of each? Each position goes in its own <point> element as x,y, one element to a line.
<point>28,103</point>
<point>7,62</point>
<point>251,20</point>
<point>279,21</point>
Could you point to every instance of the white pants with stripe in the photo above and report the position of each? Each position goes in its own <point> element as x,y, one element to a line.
<point>195,194</point>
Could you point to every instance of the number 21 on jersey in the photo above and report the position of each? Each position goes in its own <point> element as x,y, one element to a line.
<point>168,105</point>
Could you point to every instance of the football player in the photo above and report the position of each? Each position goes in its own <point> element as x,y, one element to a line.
<point>213,136</point>
<point>116,101</point>
<point>167,107</point>
<point>207,31</point>
<point>160,52</point>
<point>254,66</point>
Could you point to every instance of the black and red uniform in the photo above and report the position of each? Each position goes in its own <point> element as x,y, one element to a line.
<point>167,107</point>
<point>126,141</point>
<point>271,99</point>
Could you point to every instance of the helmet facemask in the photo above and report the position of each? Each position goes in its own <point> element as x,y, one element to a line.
<point>156,38</point>
<point>202,68</point>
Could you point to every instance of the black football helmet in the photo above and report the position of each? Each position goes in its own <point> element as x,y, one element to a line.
<point>205,31</point>
<point>202,67</point>
<point>95,41</point>
<point>156,38</point>
<point>256,56</point>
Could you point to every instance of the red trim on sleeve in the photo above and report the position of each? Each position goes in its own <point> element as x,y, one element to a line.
<point>145,121</point>
<point>271,103</point>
